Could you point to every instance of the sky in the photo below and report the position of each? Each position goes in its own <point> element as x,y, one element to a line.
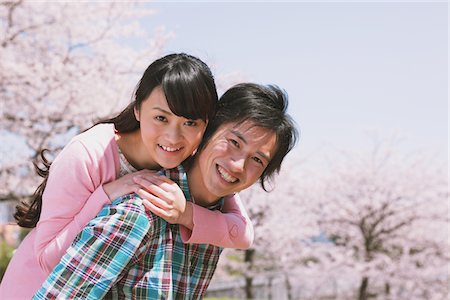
<point>352,69</point>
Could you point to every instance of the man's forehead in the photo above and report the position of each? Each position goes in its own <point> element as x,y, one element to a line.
<point>243,126</point>
<point>246,130</point>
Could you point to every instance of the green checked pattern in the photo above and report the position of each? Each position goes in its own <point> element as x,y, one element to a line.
<point>127,253</point>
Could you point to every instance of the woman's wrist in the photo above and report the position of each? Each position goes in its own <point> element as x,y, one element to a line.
<point>187,218</point>
<point>109,190</point>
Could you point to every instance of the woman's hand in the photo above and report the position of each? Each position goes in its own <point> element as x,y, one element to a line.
<point>125,184</point>
<point>164,198</point>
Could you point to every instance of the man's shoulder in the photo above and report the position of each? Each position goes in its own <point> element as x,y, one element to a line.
<point>127,210</point>
<point>128,204</point>
<point>128,214</point>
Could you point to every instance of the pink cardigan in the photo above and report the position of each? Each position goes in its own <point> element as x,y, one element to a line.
<point>74,195</point>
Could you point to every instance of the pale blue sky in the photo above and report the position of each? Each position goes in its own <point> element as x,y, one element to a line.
<point>348,67</point>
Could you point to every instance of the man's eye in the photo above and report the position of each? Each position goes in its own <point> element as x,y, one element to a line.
<point>259,161</point>
<point>161,118</point>
<point>234,143</point>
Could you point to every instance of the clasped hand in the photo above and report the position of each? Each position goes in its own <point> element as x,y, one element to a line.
<point>160,195</point>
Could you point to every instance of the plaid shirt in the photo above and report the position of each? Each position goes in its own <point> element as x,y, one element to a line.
<point>127,253</point>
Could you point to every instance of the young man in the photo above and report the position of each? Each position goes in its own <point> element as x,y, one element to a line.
<point>127,253</point>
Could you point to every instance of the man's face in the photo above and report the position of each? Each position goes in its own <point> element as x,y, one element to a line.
<point>234,158</point>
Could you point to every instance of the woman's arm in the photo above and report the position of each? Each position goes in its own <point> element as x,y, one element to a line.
<point>81,181</point>
<point>72,197</point>
<point>230,228</point>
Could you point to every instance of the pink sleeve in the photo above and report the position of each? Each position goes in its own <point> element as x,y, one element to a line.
<point>73,196</point>
<point>230,228</point>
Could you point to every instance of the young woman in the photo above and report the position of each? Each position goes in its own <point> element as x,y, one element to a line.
<point>163,126</point>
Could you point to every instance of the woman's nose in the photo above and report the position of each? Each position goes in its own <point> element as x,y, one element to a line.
<point>173,134</point>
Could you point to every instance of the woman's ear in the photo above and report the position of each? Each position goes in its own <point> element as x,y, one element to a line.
<point>136,113</point>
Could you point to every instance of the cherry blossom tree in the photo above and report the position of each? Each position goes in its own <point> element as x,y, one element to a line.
<point>283,230</point>
<point>375,225</point>
<point>64,65</point>
<point>387,219</point>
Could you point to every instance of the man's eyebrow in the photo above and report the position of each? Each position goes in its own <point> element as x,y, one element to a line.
<point>241,137</point>
<point>263,155</point>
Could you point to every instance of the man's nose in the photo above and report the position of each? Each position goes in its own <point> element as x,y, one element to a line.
<point>237,164</point>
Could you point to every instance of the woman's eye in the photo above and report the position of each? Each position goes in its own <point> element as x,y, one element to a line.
<point>161,118</point>
<point>190,123</point>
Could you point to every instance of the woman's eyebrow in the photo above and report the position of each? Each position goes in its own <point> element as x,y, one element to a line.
<point>161,110</point>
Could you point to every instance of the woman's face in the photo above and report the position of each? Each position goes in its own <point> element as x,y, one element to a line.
<point>167,138</point>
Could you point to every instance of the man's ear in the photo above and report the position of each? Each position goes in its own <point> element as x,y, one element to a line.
<point>136,113</point>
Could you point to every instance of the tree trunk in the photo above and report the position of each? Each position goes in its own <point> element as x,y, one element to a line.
<point>248,259</point>
<point>269,286</point>
<point>363,289</point>
<point>248,287</point>
<point>387,288</point>
<point>288,287</point>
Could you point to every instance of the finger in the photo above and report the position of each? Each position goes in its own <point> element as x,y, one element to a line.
<point>146,171</point>
<point>148,174</point>
<point>162,181</point>
<point>153,199</point>
<point>158,179</point>
<point>166,183</point>
<point>154,209</point>
<point>152,187</point>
